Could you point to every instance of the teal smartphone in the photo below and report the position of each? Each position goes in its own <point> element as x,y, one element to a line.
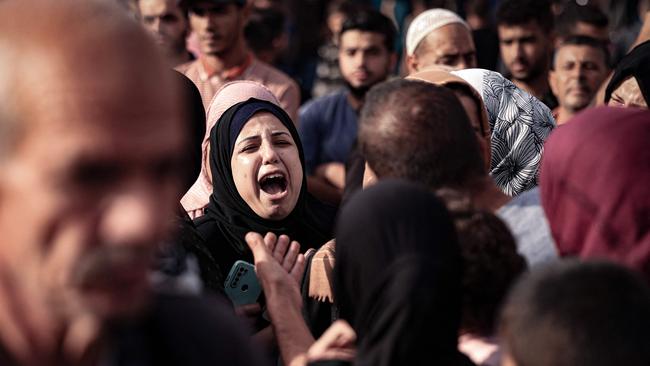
<point>242,286</point>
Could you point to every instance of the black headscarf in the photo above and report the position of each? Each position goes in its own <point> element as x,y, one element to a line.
<point>228,217</point>
<point>398,276</point>
<point>194,122</point>
<point>637,64</point>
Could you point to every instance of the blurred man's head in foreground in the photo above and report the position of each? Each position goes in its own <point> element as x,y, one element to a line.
<point>91,144</point>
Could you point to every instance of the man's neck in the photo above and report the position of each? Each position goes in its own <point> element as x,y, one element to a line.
<point>180,58</point>
<point>32,335</point>
<point>538,87</point>
<point>485,195</point>
<point>234,57</point>
<point>564,115</point>
<point>355,102</point>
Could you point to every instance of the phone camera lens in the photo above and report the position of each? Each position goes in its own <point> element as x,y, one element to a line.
<point>244,288</point>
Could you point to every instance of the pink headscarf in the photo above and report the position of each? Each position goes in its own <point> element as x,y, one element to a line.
<point>230,94</point>
<point>595,182</point>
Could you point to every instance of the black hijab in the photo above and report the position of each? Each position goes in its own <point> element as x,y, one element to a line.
<point>228,217</point>
<point>636,64</point>
<point>194,121</point>
<point>398,276</point>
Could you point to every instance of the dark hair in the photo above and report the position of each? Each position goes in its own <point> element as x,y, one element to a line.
<point>194,121</point>
<point>584,41</point>
<point>420,132</point>
<point>345,7</point>
<point>491,263</point>
<point>572,14</point>
<point>479,8</point>
<point>187,4</point>
<point>467,91</point>
<point>571,313</point>
<point>520,12</point>
<point>369,20</point>
<point>264,26</point>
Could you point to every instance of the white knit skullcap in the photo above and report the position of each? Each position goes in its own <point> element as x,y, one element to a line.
<point>427,22</point>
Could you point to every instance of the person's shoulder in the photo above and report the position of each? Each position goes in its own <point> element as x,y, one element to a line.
<point>187,67</point>
<point>325,102</point>
<point>530,198</point>
<point>270,75</point>
<point>202,330</point>
<point>524,209</point>
<point>207,310</point>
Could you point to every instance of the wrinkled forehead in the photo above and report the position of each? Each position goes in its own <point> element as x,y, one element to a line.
<point>579,52</point>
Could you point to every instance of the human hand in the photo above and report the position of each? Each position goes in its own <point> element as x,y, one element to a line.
<point>279,267</point>
<point>337,343</point>
<point>287,254</point>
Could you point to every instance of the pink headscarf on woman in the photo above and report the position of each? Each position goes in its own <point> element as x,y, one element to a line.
<point>595,181</point>
<point>230,94</point>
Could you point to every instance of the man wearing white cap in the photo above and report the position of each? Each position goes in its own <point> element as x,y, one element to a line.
<point>439,37</point>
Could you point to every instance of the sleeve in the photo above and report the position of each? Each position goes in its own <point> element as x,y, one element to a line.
<point>309,135</point>
<point>290,100</point>
<point>190,330</point>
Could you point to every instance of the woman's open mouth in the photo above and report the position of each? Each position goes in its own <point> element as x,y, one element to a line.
<point>274,185</point>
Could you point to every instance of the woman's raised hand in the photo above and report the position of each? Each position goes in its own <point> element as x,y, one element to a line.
<point>287,254</point>
<point>279,266</point>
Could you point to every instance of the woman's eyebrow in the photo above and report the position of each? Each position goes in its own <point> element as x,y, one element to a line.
<point>279,133</point>
<point>249,138</point>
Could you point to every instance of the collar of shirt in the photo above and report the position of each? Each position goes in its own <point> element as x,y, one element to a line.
<point>207,72</point>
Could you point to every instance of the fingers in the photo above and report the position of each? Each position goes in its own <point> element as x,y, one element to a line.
<point>292,254</point>
<point>285,253</point>
<point>256,244</point>
<point>340,333</point>
<point>270,239</point>
<point>298,270</point>
<point>336,343</point>
<point>281,248</point>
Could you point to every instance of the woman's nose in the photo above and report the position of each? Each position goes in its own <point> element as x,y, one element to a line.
<point>269,154</point>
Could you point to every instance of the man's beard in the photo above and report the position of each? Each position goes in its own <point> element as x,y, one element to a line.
<point>359,92</point>
<point>536,70</point>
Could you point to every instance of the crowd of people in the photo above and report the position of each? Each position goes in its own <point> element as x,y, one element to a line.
<point>248,182</point>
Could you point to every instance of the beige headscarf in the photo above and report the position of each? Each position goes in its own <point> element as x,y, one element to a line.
<point>230,94</point>
<point>443,78</point>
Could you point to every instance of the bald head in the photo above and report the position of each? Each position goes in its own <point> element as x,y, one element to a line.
<point>77,52</point>
<point>419,131</point>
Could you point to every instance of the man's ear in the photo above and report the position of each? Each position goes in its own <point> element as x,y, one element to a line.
<point>411,64</point>
<point>246,10</point>
<point>393,60</point>
<point>369,177</point>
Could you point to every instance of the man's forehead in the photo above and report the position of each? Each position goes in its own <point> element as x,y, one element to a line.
<point>157,7</point>
<point>579,53</point>
<point>578,50</point>
<point>355,38</point>
<point>450,36</point>
<point>62,92</point>
<point>447,47</point>
<point>520,30</point>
